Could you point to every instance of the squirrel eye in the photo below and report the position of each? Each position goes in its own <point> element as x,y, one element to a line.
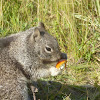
<point>48,49</point>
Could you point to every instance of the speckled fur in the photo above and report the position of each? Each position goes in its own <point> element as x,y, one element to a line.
<point>23,59</point>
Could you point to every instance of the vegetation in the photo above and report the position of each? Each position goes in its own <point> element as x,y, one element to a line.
<point>76,25</point>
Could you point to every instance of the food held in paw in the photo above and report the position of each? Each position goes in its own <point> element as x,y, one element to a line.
<point>61,64</point>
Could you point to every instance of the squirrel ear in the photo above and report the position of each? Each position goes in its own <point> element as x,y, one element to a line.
<point>36,34</point>
<point>41,25</point>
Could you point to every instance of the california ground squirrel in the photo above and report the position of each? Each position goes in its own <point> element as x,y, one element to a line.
<point>25,57</point>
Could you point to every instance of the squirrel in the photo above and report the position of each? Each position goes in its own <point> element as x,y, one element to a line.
<point>25,57</point>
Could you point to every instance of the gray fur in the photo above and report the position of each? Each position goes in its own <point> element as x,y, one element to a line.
<point>23,59</point>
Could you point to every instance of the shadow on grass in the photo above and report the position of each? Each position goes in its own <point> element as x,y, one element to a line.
<point>52,90</point>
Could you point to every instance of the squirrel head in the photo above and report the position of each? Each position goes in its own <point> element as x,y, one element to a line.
<point>46,45</point>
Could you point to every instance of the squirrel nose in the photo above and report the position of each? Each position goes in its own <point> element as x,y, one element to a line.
<point>63,56</point>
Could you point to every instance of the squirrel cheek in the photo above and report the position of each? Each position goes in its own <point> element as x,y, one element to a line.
<point>54,71</point>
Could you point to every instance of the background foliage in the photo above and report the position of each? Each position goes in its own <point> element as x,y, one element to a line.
<point>75,24</point>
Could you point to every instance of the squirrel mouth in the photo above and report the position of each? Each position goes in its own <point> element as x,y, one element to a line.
<point>59,64</point>
<point>49,62</point>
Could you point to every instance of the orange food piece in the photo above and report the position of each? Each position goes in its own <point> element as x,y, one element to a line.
<point>58,65</point>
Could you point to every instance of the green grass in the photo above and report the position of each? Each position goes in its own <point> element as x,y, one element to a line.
<point>75,24</point>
